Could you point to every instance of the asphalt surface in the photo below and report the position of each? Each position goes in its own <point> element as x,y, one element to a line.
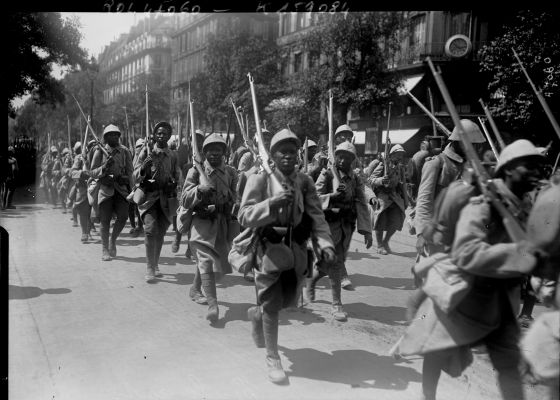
<point>80,328</point>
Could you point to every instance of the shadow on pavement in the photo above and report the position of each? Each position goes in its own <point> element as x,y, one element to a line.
<point>162,260</point>
<point>305,315</point>
<point>390,315</point>
<point>407,254</point>
<point>350,367</point>
<point>233,279</point>
<point>10,215</point>
<point>180,278</point>
<point>29,292</point>
<point>357,255</point>
<point>386,282</point>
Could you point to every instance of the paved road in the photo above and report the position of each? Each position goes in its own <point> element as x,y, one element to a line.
<point>80,328</point>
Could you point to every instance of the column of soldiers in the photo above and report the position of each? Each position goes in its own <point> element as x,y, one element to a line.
<point>301,232</point>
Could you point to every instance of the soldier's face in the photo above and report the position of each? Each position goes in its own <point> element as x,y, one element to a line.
<point>344,161</point>
<point>112,138</point>
<point>162,135</point>
<point>343,137</point>
<point>524,174</point>
<point>214,153</point>
<point>285,157</point>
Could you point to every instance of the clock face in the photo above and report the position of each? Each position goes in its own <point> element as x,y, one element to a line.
<point>458,46</point>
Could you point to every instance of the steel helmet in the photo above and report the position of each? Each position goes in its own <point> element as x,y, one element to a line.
<point>65,150</point>
<point>310,143</point>
<point>347,147</point>
<point>54,149</point>
<point>283,136</point>
<point>344,128</point>
<point>471,129</point>
<point>519,149</point>
<point>396,149</point>
<point>199,132</point>
<point>111,128</point>
<point>140,142</point>
<point>214,138</point>
<point>77,145</point>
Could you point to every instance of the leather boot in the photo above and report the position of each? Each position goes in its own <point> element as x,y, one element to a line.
<point>255,316</point>
<point>209,287</point>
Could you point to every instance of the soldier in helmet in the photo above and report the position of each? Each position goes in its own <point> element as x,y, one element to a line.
<point>115,182</point>
<point>80,174</point>
<point>63,185</point>
<point>344,208</point>
<point>437,173</point>
<point>158,173</point>
<point>390,205</point>
<point>246,160</point>
<point>281,237</point>
<point>47,163</point>
<point>211,204</point>
<point>483,250</point>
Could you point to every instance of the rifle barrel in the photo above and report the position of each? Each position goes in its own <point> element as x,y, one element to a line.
<point>492,124</point>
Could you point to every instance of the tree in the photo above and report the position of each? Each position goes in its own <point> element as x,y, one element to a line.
<point>348,53</point>
<point>37,42</point>
<point>536,39</point>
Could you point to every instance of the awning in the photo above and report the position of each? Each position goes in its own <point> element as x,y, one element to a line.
<point>409,83</point>
<point>397,136</point>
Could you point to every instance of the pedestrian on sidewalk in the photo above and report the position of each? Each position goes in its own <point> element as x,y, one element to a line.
<point>115,180</point>
<point>344,209</point>
<point>9,181</point>
<point>158,174</point>
<point>281,237</point>
<point>211,205</point>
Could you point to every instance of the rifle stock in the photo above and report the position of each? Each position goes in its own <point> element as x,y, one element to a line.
<point>275,184</point>
<point>512,226</point>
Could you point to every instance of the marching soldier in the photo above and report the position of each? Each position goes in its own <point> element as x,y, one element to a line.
<point>55,178</point>
<point>390,203</point>
<point>63,184</point>
<point>80,174</point>
<point>281,255</point>
<point>158,174</point>
<point>343,208</point>
<point>482,250</point>
<point>212,221</point>
<point>47,163</point>
<point>115,181</point>
<point>437,173</point>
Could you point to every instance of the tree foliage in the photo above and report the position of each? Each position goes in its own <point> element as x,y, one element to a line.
<point>536,38</point>
<point>37,42</point>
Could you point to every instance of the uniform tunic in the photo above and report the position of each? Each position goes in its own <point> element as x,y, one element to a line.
<point>276,290</point>
<point>389,208</point>
<point>121,168</point>
<point>81,183</point>
<point>210,233</point>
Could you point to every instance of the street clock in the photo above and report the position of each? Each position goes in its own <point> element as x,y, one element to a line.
<point>458,46</point>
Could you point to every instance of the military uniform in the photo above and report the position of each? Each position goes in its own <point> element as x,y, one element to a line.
<point>212,222</point>
<point>115,183</point>
<point>63,185</point>
<point>281,255</point>
<point>159,182</point>
<point>343,214</point>
<point>80,175</point>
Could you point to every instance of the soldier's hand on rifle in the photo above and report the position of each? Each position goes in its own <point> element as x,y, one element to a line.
<point>284,198</point>
<point>368,240</point>
<point>420,243</point>
<point>328,255</point>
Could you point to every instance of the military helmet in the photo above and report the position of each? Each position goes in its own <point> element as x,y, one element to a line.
<point>54,149</point>
<point>140,142</point>
<point>343,128</point>
<point>310,143</point>
<point>65,151</point>
<point>111,128</point>
<point>199,132</point>
<point>214,138</point>
<point>471,129</point>
<point>347,147</point>
<point>77,145</point>
<point>521,148</point>
<point>283,136</point>
<point>163,124</point>
<point>396,149</point>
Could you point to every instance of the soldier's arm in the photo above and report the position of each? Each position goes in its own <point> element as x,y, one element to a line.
<point>323,188</point>
<point>312,205</point>
<point>97,170</point>
<point>472,252</point>
<point>76,170</point>
<point>425,198</point>
<point>189,194</point>
<point>128,168</point>
<point>375,180</point>
<point>137,169</point>
<point>360,202</point>
<point>255,210</point>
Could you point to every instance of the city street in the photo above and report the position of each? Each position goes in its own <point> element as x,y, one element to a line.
<point>80,328</point>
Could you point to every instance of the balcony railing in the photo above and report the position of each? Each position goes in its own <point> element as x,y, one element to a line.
<point>435,50</point>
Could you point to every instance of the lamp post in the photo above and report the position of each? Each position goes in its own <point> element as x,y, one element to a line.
<point>92,71</point>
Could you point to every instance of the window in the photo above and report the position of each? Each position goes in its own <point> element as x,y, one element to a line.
<point>300,24</point>
<point>458,23</point>
<point>157,60</point>
<point>297,62</point>
<point>285,24</point>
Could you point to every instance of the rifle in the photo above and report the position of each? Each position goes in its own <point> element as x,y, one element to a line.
<point>275,184</point>
<point>305,154</point>
<point>130,145</point>
<point>197,159</point>
<point>429,114</point>
<point>91,129</point>
<point>387,143</point>
<point>432,110</point>
<point>540,96</point>
<point>244,135</point>
<point>492,124</point>
<point>85,149</point>
<point>69,140</point>
<point>330,154</point>
<point>492,145</point>
<point>147,125</point>
<point>488,187</point>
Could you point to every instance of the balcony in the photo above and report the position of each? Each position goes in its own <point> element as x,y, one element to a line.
<point>435,50</point>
